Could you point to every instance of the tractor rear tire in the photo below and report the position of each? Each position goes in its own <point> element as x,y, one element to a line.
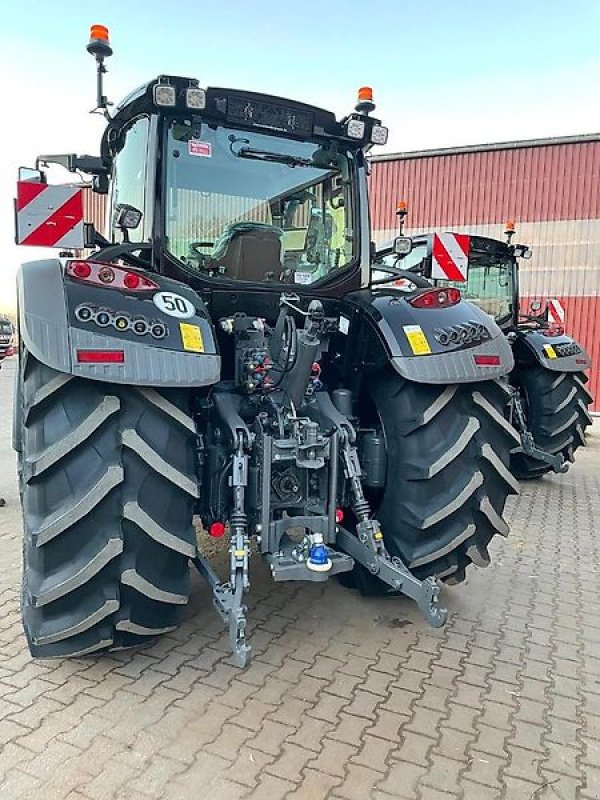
<point>556,407</point>
<point>108,492</point>
<point>448,478</point>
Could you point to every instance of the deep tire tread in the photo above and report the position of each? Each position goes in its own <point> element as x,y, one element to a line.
<point>108,526</point>
<point>557,416</point>
<point>439,517</point>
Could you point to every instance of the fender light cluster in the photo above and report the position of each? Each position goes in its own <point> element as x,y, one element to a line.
<point>109,275</point>
<point>436,298</point>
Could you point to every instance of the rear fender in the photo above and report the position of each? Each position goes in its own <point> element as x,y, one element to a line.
<point>53,333</point>
<point>411,337</point>
<point>556,353</point>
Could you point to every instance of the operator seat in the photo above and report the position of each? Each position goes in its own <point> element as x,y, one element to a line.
<point>250,251</point>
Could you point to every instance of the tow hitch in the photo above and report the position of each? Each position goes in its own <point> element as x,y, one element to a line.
<point>325,549</point>
<point>528,446</point>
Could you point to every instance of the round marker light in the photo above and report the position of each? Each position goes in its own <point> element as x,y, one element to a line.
<point>106,275</point>
<point>339,515</point>
<point>81,270</point>
<point>365,93</point>
<point>83,313</point>
<point>158,330</point>
<point>131,280</point>
<point>140,326</point>
<point>216,530</point>
<point>103,319</point>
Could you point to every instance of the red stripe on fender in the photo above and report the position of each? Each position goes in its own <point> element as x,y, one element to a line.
<point>26,192</point>
<point>445,261</point>
<point>60,223</point>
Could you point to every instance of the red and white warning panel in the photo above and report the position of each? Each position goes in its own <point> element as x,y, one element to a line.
<point>49,216</point>
<point>556,312</point>
<point>450,256</point>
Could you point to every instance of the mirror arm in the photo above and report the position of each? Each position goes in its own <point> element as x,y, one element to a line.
<point>93,165</point>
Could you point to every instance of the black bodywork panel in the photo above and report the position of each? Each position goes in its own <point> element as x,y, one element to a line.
<point>52,333</point>
<point>407,336</point>
<point>556,353</point>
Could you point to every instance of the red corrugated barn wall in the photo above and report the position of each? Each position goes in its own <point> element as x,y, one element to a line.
<point>551,188</point>
<point>94,209</point>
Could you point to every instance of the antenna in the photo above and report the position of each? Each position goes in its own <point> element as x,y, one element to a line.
<point>99,47</point>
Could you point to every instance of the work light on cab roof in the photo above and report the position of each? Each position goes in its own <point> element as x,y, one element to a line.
<point>356,124</point>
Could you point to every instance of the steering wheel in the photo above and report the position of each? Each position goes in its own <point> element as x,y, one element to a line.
<point>205,260</point>
<point>194,249</point>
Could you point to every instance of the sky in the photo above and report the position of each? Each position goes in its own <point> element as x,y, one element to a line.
<point>444,72</point>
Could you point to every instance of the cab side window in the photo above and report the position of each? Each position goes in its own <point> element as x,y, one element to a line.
<point>129,177</point>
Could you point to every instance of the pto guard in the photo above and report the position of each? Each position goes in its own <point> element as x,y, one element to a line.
<point>410,336</point>
<point>556,353</point>
<point>49,332</point>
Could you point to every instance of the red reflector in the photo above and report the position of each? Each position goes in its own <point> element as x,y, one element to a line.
<point>487,361</point>
<point>581,361</point>
<point>131,280</point>
<point>101,356</point>
<point>216,530</point>
<point>81,270</point>
<point>436,298</point>
<point>109,275</point>
<point>339,515</point>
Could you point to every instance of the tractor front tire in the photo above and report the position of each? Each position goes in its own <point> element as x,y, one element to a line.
<point>108,492</point>
<point>556,408</point>
<point>448,478</point>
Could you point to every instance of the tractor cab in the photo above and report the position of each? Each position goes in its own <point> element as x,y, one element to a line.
<point>219,187</point>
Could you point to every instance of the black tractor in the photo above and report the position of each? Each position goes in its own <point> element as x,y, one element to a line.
<point>6,337</point>
<point>222,352</point>
<point>549,399</point>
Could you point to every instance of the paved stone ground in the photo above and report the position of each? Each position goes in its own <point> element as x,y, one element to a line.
<point>347,697</point>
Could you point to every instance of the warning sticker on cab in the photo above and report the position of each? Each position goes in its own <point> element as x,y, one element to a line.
<point>550,351</point>
<point>198,148</point>
<point>191,337</point>
<point>417,340</point>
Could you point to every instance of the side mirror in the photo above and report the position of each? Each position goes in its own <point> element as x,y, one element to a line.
<point>127,217</point>
<point>403,245</point>
<point>100,184</point>
<point>30,175</point>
